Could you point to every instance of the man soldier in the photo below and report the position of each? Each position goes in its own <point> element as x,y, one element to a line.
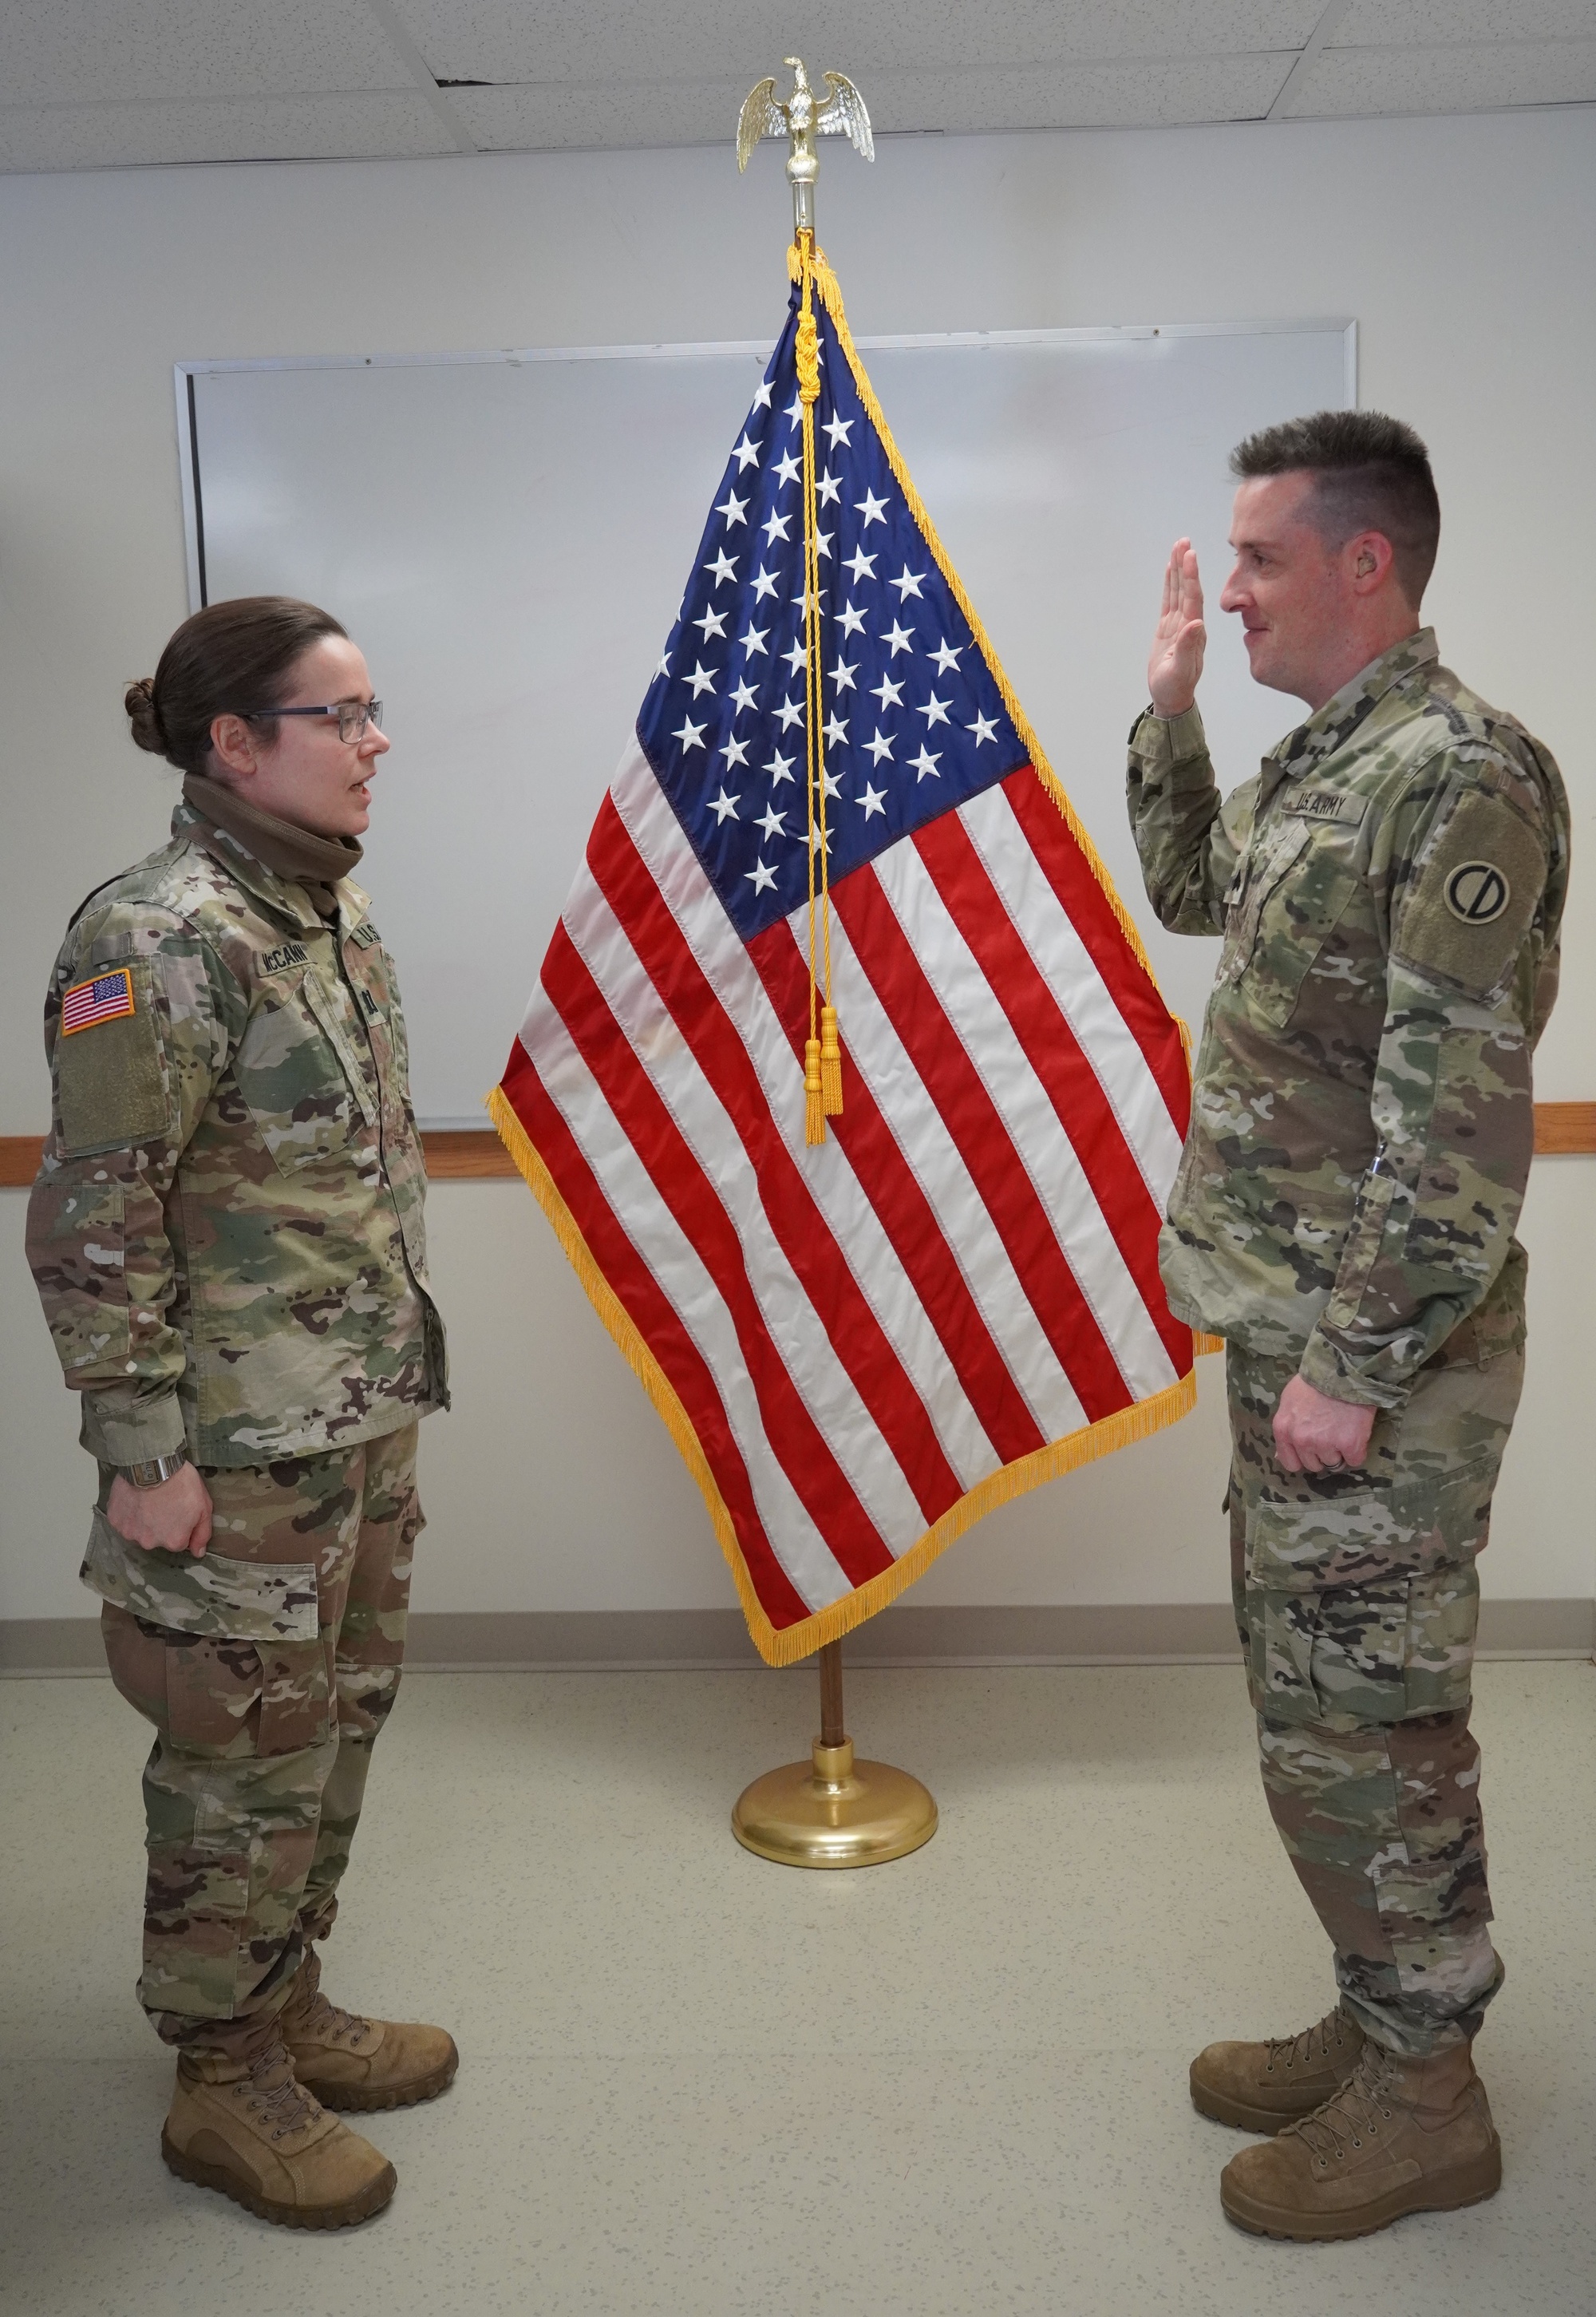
<point>1388,891</point>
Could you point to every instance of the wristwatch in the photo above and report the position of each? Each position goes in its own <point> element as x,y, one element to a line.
<point>154,1469</point>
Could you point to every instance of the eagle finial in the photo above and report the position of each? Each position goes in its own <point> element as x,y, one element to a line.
<point>800,120</point>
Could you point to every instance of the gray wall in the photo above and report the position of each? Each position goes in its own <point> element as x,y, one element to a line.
<point>1461,247</point>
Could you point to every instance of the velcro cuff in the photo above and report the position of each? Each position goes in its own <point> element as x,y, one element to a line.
<point>133,1432</point>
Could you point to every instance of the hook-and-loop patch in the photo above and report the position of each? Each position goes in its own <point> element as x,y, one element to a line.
<point>1471,906</point>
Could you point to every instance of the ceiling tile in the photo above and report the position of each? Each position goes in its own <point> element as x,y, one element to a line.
<point>705,112</point>
<point>1372,81</point>
<point>1148,94</point>
<point>535,42</point>
<point>249,129</point>
<point>1412,23</point>
<point>85,51</point>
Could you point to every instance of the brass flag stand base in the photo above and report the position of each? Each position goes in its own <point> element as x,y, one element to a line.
<point>833,1811</point>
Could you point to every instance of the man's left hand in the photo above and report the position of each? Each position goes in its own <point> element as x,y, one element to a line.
<point>1316,1434</point>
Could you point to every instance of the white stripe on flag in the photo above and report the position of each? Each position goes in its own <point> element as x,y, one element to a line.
<point>871,1256</point>
<point>790,1321</point>
<point>934,1159</point>
<point>1066,964</point>
<point>689,1289</point>
<point>1022,1102</point>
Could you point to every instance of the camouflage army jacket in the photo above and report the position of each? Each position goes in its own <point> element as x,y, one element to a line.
<point>1389,892</point>
<point>227,1229</point>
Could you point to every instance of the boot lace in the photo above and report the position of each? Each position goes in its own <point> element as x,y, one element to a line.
<point>329,2019</point>
<point>1290,2051</point>
<point>315,2011</point>
<point>1353,2116</point>
<point>277,2097</point>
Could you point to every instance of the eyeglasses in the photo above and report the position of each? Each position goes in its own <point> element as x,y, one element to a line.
<point>353,715</point>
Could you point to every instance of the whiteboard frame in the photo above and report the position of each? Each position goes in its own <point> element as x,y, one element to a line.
<point>185,372</point>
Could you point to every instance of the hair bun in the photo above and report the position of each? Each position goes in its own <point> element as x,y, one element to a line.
<point>140,701</point>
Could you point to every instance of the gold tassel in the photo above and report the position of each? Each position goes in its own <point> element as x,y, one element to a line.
<point>831,1062</point>
<point>814,1100</point>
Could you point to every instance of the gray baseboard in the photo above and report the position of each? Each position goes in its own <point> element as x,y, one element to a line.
<point>716,1640</point>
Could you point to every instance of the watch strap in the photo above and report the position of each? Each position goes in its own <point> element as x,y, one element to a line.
<point>154,1470</point>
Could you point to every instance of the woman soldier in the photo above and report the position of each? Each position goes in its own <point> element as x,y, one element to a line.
<point>226,1235</point>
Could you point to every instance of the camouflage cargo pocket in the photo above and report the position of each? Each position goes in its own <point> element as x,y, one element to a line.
<point>1296,918</point>
<point>1342,1532</point>
<point>1373,1653</point>
<point>226,1600</point>
<point>302,1081</point>
<point>219,1701</point>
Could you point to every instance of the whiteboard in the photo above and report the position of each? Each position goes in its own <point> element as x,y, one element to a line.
<point>506,535</point>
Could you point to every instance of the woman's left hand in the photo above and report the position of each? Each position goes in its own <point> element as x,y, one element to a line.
<point>174,1517</point>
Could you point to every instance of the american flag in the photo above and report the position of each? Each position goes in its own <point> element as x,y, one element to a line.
<point>104,999</point>
<point>859,1348</point>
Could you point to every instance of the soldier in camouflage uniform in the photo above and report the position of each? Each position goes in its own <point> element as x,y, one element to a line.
<point>226,1235</point>
<point>1388,892</point>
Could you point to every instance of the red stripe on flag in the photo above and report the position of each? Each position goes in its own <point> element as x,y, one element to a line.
<point>817,1479</point>
<point>655,1319</point>
<point>972,1119</point>
<point>1054,1053</point>
<point>803,1232</point>
<point>1092,913</point>
<point>904,1213</point>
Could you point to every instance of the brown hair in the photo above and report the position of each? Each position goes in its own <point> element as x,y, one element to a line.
<point>230,658</point>
<point>1370,473</point>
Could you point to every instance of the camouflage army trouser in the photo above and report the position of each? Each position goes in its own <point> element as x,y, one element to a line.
<point>1356,1602</point>
<point>252,1789</point>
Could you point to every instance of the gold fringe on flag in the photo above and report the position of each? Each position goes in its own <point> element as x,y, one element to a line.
<point>788,1644</point>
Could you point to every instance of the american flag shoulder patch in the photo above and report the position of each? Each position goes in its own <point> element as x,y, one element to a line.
<point>106,998</point>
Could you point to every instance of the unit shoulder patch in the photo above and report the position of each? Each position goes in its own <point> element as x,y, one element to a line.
<point>1475,896</point>
<point>1477,891</point>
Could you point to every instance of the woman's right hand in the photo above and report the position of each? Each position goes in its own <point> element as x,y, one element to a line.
<point>174,1517</point>
<point>1180,639</point>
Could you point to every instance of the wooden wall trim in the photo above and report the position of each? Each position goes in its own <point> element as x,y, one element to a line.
<point>1563,1129</point>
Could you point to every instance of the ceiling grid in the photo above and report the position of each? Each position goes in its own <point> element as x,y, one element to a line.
<point>94,84</point>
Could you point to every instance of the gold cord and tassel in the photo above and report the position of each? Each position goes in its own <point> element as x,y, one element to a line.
<point>822,1053</point>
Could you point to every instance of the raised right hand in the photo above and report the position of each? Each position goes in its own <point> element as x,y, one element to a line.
<point>1175,662</point>
<point>176,1517</point>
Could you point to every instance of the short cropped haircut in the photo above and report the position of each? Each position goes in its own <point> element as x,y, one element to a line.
<point>1370,473</point>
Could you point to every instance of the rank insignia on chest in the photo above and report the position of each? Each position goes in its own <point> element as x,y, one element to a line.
<point>106,998</point>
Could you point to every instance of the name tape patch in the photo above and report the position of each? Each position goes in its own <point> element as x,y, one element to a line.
<point>1477,892</point>
<point>106,998</point>
<point>278,961</point>
<point>1325,804</point>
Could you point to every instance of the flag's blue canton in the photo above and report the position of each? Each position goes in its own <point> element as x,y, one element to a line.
<point>914,720</point>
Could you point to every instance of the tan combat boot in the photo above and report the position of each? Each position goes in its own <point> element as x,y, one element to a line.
<point>244,2126</point>
<point>351,2063</point>
<point>1403,2136</point>
<point>1259,2086</point>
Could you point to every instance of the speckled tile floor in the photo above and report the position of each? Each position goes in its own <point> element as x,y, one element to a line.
<point>697,2084</point>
